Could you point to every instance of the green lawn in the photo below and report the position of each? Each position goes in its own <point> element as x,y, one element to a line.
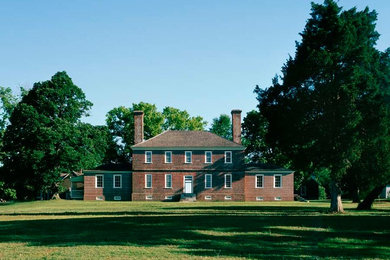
<point>144,230</point>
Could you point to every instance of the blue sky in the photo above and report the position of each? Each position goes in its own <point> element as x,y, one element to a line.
<point>202,56</point>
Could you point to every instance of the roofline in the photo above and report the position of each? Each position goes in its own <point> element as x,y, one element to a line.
<point>102,171</point>
<point>270,171</point>
<point>149,139</point>
<point>178,148</point>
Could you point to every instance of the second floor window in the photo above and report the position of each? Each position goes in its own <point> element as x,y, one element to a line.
<point>188,157</point>
<point>168,157</point>
<point>148,157</point>
<point>208,157</point>
<point>208,182</point>
<point>148,181</point>
<point>228,180</point>
<point>228,157</point>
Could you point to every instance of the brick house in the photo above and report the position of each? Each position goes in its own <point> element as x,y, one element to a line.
<point>190,165</point>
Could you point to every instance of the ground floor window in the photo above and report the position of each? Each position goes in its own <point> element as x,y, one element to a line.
<point>228,180</point>
<point>277,181</point>
<point>117,181</point>
<point>208,183</point>
<point>259,180</point>
<point>168,180</point>
<point>148,181</point>
<point>99,181</point>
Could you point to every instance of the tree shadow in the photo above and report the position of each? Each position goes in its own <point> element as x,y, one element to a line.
<point>213,235</point>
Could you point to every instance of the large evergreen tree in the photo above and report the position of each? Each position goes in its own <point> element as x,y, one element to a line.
<point>316,113</point>
<point>45,137</point>
<point>222,126</point>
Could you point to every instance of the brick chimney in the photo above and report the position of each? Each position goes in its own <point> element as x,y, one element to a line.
<point>138,126</point>
<point>236,125</point>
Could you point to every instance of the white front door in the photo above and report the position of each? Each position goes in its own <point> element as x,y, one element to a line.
<point>188,184</point>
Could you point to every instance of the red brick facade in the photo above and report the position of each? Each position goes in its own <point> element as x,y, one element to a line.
<point>228,177</point>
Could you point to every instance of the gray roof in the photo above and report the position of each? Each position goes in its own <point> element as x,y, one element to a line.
<point>188,139</point>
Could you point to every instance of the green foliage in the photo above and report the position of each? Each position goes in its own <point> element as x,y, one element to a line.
<point>120,122</point>
<point>6,193</point>
<point>7,104</point>
<point>222,126</point>
<point>176,119</point>
<point>321,192</point>
<point>45,137</point>
<point>316,113</point>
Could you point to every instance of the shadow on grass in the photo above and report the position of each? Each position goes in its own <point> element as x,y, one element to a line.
<point>215,235</point>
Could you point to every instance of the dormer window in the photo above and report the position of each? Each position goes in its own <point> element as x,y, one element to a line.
<point>188,157</point>
<point>168,157</point>
<point>208,157</point>
<point>148,157</point>
<point>228,157</point>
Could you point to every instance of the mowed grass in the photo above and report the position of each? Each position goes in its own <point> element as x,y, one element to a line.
<point>144,230</point>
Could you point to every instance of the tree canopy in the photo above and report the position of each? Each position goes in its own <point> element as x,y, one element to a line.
<point>45,137</point>
<point>120,122</point>
<point>317,113</point>
<point>222,126</point>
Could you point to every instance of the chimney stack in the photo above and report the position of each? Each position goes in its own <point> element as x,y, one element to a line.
<point>236,125</point>
<point>138,126</point>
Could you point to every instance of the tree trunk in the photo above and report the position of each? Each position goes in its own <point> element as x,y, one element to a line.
<point>355,196</point>
<point>336,205</point>
<point>366,204</point>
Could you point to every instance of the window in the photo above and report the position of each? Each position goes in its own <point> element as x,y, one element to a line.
<point>168,180</point>
<point>99,198</point>
<point>117,197</point>
<point>278,198</point>
<point>148,181</point>
<point>208,197</point>
<point>117,181</point>
<point>168,157</point>
<point>148,157</point>
<point>228,197</point>
<point>278,181</point>
<point>208,157</point>
<point>208,181</point>
<point>259,180</point>
<point>259,198</point>
<point>188,157</point>
<point>168,197</point>
<point>99,181</point>
<point>228,157</point>
<point>228,180</point>
<point>149,197</point>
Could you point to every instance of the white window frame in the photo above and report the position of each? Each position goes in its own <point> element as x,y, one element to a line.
<point>146,181</point>
<point>259,198</point>
<point>169,197</point>
<point>185,156</point>
<point>166,182</point>
<point>96,182</point>
<point>120,181</point>
<point>231,156</point>
<point>205,157</point>
<point>231,180</point>
<point>146,156</point>
<point>205,181</point>
<point>168,152</point>
<point>208,197</point>
<point>148,197</point>
<point>262,181</point>
<point>117,198</point>
<point>281,183</point>
<point>278,198</point>
<point>228,197</point>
